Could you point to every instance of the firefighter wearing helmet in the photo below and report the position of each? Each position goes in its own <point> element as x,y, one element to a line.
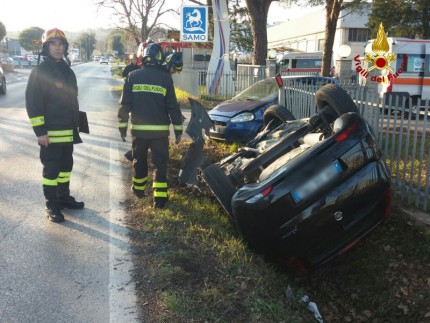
<point>174,63</point>
<point>149,99</point>
<point>53,108</point>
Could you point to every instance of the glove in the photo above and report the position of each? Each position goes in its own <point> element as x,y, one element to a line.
<point>178,139</point>
<point>123,133</point>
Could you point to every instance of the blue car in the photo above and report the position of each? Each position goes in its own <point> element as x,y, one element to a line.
<point>241,118</point>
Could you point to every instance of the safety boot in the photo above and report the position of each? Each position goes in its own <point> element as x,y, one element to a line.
<point>53,212</point>
<point>69,202</point>
<point>159,203</point>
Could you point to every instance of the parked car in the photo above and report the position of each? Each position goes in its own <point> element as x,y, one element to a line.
<point>3,88</point>
<point>241,118</point>
<point>23,62</point>
<point>304,191</point>
<point>104,60</point>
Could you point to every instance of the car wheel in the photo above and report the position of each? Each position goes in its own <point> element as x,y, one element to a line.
<point>337,99</point>
<point>220,185</point>
<point>3,88</point>
<point>277,114</point>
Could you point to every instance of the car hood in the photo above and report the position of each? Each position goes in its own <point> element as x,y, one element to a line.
<point>232,107</point>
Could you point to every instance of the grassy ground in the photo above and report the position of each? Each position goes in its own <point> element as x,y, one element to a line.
<point>190,266</point>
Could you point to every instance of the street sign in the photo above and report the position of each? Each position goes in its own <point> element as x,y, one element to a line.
<point>194,24</point>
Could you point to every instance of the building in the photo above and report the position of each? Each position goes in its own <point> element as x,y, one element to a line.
<point>307,34</point>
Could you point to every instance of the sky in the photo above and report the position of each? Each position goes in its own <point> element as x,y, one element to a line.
<point>81,15</point>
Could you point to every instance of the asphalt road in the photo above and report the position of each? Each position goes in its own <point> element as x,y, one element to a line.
<point>78,271</point>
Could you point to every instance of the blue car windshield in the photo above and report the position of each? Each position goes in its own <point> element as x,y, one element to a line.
<point>266,91</point>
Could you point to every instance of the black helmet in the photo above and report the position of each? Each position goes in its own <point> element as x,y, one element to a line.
<point>174,60</point>
<point>153,55</point>
<point>51,35</point>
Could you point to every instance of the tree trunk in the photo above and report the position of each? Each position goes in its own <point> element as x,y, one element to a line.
<point>258,10</point>
<point>332,14</point>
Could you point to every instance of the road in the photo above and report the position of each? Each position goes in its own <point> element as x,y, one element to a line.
<point>77,271</point>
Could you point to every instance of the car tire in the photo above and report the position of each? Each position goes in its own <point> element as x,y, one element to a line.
<point>220,185</point>
<point>3,88</point>
<point>337,99</point>
<point>278,113</point>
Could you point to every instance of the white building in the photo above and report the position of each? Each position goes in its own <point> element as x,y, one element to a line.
<point>307,34</point>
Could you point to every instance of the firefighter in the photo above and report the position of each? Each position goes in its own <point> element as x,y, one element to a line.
<point>132,66</point>
<point>173,63</point>
<point>53,108</point>
<point>149,98</point>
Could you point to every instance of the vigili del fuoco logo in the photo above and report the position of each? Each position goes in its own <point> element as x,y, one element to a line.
<point>380,58</point>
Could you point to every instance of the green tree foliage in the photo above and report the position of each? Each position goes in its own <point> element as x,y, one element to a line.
<point>115,43</point>
<point>30,38</point>
<point>86,42</point>
<point>2,31</point>
<point>401,18</point>
<point>241,29</point>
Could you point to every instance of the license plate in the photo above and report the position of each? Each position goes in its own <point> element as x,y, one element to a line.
<point>316,182</point>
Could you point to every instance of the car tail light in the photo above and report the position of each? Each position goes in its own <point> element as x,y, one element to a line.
<point>296,265</point>
<point>260,195</point>
<point>343,135</point>
<point>387,213</point>
<point>278,78</point>
<point>345,249</point>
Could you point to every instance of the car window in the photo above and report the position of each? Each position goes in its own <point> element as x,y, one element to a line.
<point>265,90</point>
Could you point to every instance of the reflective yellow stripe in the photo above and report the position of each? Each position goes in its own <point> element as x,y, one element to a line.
<point>149,88</point>
<point>37,121</point>
<point>63,177</point>
<point>59,136</point>
<point>159,185</point>
<point>148,127</point>
<point>122,124</point>
<point>139,188</point>
<point>160,194</point>
<point>178,127</point>
<point>49,182</point>
<point>140,180</point>
<point>56,140</point>
<point>60,133</point>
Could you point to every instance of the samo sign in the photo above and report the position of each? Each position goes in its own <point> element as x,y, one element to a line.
<point>194,22</point>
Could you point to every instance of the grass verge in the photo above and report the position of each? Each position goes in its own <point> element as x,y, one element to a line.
<point>190,266</point>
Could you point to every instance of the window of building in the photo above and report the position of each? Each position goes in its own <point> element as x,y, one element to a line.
<point>321,43</point>
<point>358,34</point>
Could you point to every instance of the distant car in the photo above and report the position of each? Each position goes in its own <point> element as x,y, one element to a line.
<point>241,118</point>
<point>22,61</point>
<point>104,60</point>
<point>3,88</point>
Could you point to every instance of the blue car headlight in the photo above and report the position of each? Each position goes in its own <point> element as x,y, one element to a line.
<point>243,117</point>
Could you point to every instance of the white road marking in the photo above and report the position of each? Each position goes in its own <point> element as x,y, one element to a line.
<point>122,298</point>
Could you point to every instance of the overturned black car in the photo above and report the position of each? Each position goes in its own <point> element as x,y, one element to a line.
<point>305,190</point>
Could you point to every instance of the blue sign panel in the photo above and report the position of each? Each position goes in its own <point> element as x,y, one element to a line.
<point>194,24</point>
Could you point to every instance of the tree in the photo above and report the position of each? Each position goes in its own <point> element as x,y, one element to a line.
<point>87,42</point>
<point>333,8</point>
<point>241,30</point>
<point>30,38</point>
<point>115,42</point>
<point>2,31</point>
<point>258,10</point>
<point>401,18</point>
<point>137,17</point>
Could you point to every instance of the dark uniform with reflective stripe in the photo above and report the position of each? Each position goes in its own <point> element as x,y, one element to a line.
<point>149,96</point>
<point>53,109</point>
